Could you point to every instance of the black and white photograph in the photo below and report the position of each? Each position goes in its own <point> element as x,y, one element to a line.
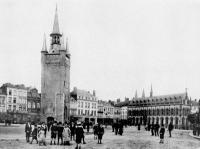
<point>100,74</point>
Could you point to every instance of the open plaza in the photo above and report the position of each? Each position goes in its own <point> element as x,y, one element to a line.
<point>13,137</point>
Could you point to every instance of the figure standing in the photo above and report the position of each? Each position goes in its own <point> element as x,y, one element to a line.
<point>41,136</point>
<point>95,130</point>
<point>170,128</point>
<point>79,135</point>
<point>100,133</point>
<point>28,131</point>
<point>157,126</point>
<point>66,135</point>
<point>152,129</point>
<point>34,134</point>
<point>162,133</point>
<point>60,133</point>
<point>53,133</point>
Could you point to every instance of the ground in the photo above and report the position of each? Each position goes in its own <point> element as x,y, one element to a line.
<point>13,137</point>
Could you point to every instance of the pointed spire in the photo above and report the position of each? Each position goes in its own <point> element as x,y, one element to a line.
<point>56,24</point>
<point>151,92</point>
<point>143,94</point>
<point>136,94</point>
<point>44,47</point>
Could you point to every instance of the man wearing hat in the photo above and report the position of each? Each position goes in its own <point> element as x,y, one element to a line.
<point>79,135</point>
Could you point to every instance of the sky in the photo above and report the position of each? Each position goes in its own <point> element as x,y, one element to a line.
<point>116,46</point>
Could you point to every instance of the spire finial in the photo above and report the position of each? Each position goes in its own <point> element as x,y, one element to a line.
<point>44,47</point>
<point>56,24</point>
<point>143,94</point>
<point>136,94</point>
<point>151,92</point>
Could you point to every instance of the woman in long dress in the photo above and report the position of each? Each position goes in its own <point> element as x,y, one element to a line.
<point>66,135</point>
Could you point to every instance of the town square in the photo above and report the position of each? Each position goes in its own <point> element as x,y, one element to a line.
<point>100,74</point>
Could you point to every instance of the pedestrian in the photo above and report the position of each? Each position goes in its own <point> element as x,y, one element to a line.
<point>72,129</point>
<point>113,126</point>
<point>120,128</point>
<point>152,129</point>
<point>116,128</point>
<point>60,133</point>
<point>100,133</point>
<point>34,134</point>
<point>41,136</point>
<point>162,133</point>
<point>66,135</point>
<point>88,127</point>
<point>95,130</point>
<point>79,135</point>
<point>170,128</point>
<point>53,133</point>
<point>157,126</point>
<point>28,131</point>
<point>138,126</point>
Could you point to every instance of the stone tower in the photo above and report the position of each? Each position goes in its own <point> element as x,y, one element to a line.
<point>55,77</point>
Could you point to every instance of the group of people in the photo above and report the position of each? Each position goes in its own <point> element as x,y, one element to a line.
<point>117,127</point>
<point>62,133</point>
<point>158,130</point>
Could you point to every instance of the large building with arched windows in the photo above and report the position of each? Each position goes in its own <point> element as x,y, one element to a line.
<point>160,109</point>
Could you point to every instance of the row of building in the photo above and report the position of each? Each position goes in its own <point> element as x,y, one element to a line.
<point>19,103</point>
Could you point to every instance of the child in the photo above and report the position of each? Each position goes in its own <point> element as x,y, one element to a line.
<point>34,134</point>
<point>162,133</point>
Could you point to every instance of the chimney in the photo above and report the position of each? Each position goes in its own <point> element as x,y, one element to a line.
<point>94,93</point>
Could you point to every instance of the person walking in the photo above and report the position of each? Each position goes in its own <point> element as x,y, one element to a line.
<point>157,126</point>
<point>162,133</point>
<point>53,133</point>
<point>116,128</point>
<point>95,130</point>
<point>170,128</point>
<point>72,129</point>
<point>79,135</point>
<point>88,127</point>
<point>28,131</point>
<point>138,126</point>
<point>34,134</point>
<point>100,133</point>
<point>66,135</point>
<point>120,126</point>
<point>152,129</point>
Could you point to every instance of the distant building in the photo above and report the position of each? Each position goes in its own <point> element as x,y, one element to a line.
<point>87,105</point>
<point>105,112</point>
<point>160,109</point>
<point>194,106</point>
<point>16,102</point>
<point>33,105</point>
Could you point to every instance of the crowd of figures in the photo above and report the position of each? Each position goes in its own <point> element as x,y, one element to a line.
<point>61,133</point>
<point>158,130</point>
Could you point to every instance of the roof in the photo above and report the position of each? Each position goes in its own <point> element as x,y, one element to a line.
<point>121,104</point>
<point>18,86</point>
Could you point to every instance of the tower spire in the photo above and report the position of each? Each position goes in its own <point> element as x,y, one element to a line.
<point>136,94</point>
<point>151,92</point>
<point>44,47</point>
<point>143,94</point>
<point>67,48</point>
<point>56,24</point>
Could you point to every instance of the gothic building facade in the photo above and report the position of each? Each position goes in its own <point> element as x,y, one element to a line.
<point>55,77</point>
<point>160,109</point>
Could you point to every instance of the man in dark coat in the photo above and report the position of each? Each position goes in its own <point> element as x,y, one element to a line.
<point>72,129</point>
<point>116,128</point>
<point>170,128</point>
<point>162,133</point>
<point>53,133</point>
<point>28,129</point>
<point>157,126</point>
<point>79,135</point>
<point>60,133</point>
<point>100,133</point>
<point>120,128</point>
<point>152,129</point>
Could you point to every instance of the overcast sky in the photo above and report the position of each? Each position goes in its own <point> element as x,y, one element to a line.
<point>117,46</point>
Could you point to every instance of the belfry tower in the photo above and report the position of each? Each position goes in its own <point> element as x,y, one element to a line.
<point>55,77</point>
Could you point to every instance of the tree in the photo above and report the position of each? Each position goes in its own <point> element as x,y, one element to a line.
<point>192,118</point>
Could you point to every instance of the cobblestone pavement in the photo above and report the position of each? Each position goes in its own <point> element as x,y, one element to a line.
<point>14,138</point>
